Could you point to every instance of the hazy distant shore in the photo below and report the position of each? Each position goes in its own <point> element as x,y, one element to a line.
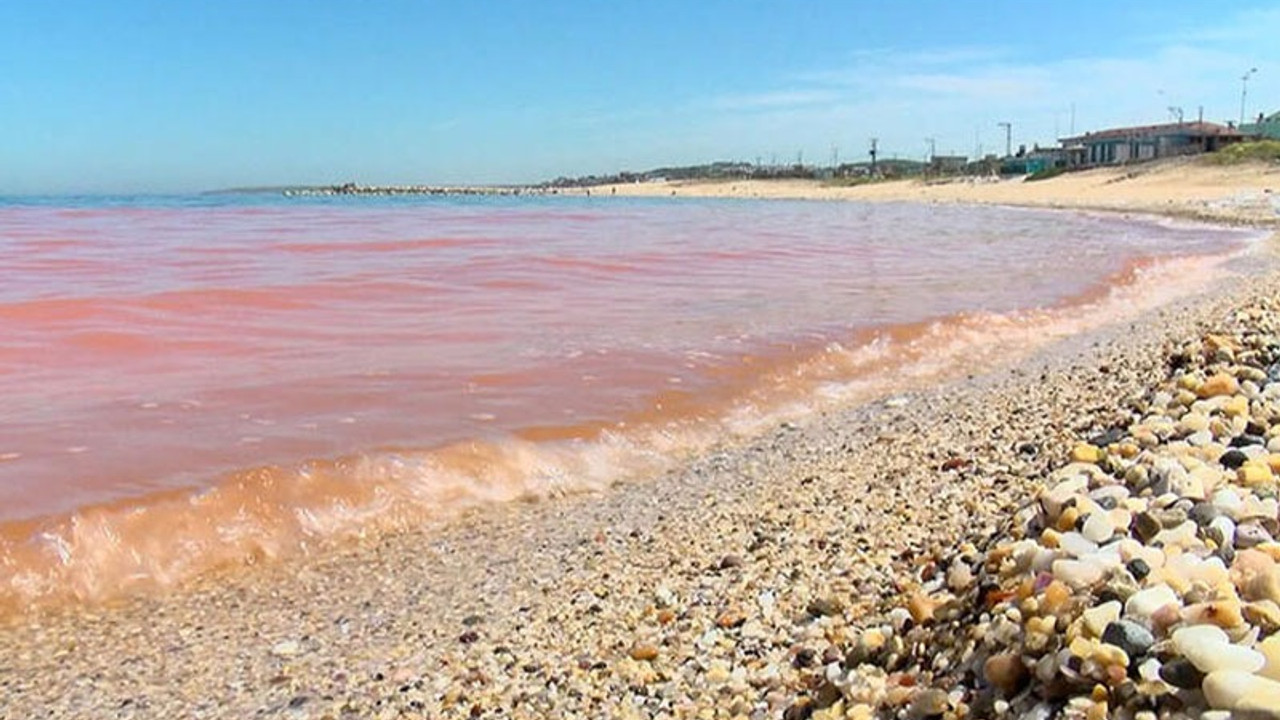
<point>1187,188</point>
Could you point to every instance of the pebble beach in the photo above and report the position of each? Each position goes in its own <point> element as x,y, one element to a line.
<point>1087,532</point>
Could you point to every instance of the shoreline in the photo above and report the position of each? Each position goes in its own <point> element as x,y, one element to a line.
<point>914,355</point>
<point>1239,195</point>
<point>692,582</point>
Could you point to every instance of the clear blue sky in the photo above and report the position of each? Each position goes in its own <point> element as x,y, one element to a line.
<point>133,95</point>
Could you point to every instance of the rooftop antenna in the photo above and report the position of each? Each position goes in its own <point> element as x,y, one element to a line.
<point>1175,113</point>
<point>1008,137</point>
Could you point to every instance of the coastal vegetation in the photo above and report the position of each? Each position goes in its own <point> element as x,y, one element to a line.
<point>1260,150</point>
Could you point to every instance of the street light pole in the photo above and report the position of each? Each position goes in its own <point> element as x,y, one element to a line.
<point>1244,91</point>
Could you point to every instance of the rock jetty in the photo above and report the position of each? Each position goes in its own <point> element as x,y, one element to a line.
<point>354,189</point>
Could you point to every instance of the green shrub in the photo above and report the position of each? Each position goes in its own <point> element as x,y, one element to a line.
<point>1261,150</point>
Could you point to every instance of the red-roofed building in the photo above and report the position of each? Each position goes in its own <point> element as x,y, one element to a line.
<point>1147,142</point>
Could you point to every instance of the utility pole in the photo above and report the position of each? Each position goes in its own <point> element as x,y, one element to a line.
<point>835,156</point>
<point>1008,137</point>
<point>873,154</point>
<point>1244,91</point>
<point>933,148</point>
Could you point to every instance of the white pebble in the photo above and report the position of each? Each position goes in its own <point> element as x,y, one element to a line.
<point>1242,691</point>
<point>1143,604</point>
<point>1098,528</point>
<point>1209,649</point>
<point>1097,618</point>
<point>1079,574</point>
<point>1077,545</point>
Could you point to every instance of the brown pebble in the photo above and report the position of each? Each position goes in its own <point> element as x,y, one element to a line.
<point>644,652</point>
<point>1055,596</point>
<point>1220,384</point>
<point>731,618</point>
<point>824,606</point>
<point>803,657</point>
<point>730,561</point>
<point>1006,672</point>
<point>921,607</point>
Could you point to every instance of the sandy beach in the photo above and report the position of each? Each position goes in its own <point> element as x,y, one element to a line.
<point>1188,188</point>
<point>847,565</point>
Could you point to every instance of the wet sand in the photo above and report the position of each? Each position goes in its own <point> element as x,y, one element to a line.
<point>713,591</point>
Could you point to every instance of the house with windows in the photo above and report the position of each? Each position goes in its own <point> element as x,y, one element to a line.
<point>1147,142</point>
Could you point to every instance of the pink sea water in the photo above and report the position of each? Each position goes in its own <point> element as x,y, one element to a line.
<point>191,382</point>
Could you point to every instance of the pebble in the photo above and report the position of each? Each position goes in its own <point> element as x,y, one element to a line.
<point>730,561</point>
<point>820,607</point>
<point>1005,671</point>
<point>1181,673</point>
<point>1210,650</point>
<point>1086,453</point>
<point>1098,528</point>
<point>1270,649</point>
<point>1129,636</point>
<point>1203,513</point>
<point>1250,535</point>
<point>644,652</point>
<point>1243,692</point>
<point>1144,603</point>
<point>928,703</point>
<point>1233,459</point>
<point>1096,619</point>
<point>286,648</point>
<point>1219,384</point>
<point>1078,573</point>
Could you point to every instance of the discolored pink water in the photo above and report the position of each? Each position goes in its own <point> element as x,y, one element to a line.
<point>191,381</point>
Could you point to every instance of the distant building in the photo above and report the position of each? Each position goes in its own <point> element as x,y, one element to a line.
<point>947,164</point>
<point>1267,128</point>
<point>1147,142</point>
